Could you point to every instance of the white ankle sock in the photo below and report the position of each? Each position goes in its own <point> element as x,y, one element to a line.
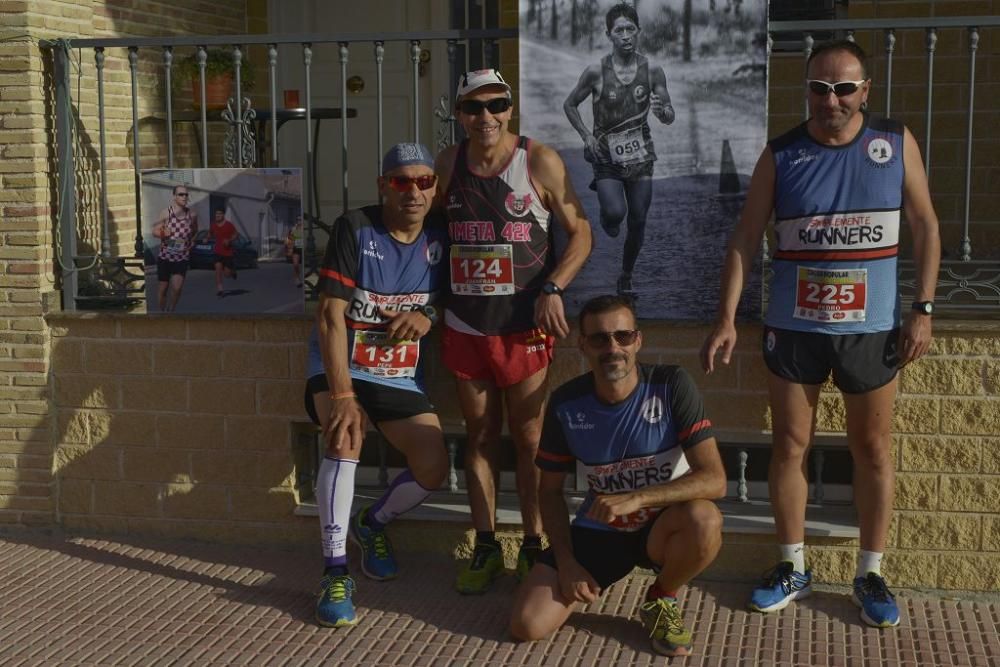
<point>869,561</point>
<point>796,553</point>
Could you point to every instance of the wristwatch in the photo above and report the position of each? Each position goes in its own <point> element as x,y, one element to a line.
<point>924,307</point>
<point>551,288</point>
<point>430,312</point>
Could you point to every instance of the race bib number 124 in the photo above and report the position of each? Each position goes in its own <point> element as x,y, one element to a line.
<point>482,270</point>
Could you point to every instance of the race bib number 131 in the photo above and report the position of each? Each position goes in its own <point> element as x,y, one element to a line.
<point>375,354</point>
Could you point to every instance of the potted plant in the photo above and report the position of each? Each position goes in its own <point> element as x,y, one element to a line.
<point>218,77</point>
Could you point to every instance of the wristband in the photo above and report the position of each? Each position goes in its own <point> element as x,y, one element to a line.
<point>342,394</point>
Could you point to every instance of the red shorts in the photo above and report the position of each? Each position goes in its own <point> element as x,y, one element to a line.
<point>504,360</point>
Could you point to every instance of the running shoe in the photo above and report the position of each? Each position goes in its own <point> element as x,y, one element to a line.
<point>781,585</point>
<point>485,566</point>
<point>334,608</point>
<point>526,557</point>
<point>662,617</point>
<point>878,605</point>
<point>377,561</point>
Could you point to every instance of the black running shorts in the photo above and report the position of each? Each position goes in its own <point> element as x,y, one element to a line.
<point>608,555</point>
<point>228,261</point>
<point>618,172</point>
<point>165,268</point>
<point>380,402</point>
<point>859,362</point>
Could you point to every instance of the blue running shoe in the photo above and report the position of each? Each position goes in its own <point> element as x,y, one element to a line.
<point>878,605</point>
<point>334,608</point>
<point>781,586</point>
<point>377,561</point>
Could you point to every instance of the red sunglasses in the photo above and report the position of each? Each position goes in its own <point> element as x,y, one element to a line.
<point>404,183</point>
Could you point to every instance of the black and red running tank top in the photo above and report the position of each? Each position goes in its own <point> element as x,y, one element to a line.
<point>501,253</point>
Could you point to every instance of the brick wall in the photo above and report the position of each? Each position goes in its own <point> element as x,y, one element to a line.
<point>176,426</point>
<point>183,427</point>
<point>29,196</point>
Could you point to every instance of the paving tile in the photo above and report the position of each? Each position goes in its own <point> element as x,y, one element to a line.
<point>146,602</point>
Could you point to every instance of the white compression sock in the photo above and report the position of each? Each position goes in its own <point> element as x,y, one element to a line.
<point>334,496</point>
<point>796,553</point>
<point>869,561</point>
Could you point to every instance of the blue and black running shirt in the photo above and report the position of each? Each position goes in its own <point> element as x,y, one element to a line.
<point>627,446</point>
<point>369,269</point>
<point>836,221</point>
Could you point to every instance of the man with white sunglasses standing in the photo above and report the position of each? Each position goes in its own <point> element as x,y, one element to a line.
<point>836,186</point>
<point>501,193</point>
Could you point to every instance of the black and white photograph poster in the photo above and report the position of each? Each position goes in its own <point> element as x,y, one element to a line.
<point>659,110</point>
<point>223,240</point>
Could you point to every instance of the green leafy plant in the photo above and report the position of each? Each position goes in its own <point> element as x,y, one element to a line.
<point>218,63</point>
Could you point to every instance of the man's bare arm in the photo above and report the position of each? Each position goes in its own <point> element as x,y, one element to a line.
<point>575,583</point>
<point>916,334</point>
<point>584,88</point>
<point>744,244</point>
<point>560,198</point>
<point>345,426</point>
<point>549,170</point>
<point>659,102</point>
<point>160,226</point>
<point>443,165</point>
<point>705,481</point>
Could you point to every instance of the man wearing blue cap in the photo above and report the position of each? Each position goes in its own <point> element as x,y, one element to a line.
<point>381,275</point>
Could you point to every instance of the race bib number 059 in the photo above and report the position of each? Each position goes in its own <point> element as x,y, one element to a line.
<point>482,270</point>
<point>375,354</point>
<point>627,147</point>
<point>830,295</point>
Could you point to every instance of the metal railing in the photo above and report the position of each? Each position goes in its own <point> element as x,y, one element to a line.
<point>239,117</point>
<point>966,285</point>
<point>743,487</point>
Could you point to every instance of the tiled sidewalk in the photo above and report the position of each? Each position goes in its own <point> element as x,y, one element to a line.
<point>142,602</point>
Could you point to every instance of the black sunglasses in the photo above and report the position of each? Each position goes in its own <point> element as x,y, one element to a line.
<point>474,107</point>
<point>840,88</point>
<point>404,183</point>
<point>180,194</point>
<point>601,339</point>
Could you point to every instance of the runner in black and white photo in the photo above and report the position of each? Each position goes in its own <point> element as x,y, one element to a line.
<point>625,89</point>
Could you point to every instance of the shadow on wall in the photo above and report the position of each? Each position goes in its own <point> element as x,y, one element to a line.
<point>177,438</point>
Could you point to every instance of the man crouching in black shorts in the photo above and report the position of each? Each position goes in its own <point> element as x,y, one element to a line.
<point>653,468</point>
<point>384,267</point>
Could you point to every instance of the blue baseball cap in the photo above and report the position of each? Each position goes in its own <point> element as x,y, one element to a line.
<point>405,155</point>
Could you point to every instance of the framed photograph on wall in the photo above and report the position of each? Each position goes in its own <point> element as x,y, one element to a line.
<point>223,240</point>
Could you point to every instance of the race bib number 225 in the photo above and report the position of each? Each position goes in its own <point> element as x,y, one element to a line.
<point>829,295</point>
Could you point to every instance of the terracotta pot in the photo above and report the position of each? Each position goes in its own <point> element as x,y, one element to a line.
<point>217,91</point>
